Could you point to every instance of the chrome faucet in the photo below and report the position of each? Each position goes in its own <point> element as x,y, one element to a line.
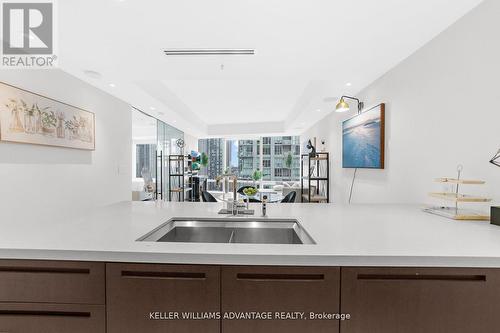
<point>235,184</point>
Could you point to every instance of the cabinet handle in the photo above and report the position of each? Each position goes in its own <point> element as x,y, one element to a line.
<point>281,277</point>
<point>56,270</point>
<point>45,313</point>
<point>422,277</point>
<point>164,275</point>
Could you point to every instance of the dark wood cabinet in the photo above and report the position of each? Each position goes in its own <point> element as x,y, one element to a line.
<point>52,281</point>
<point>135,292</point>
<point>51,318</point>
<point>280,289</point>
<point>39,296</point>
<point>415,300</point>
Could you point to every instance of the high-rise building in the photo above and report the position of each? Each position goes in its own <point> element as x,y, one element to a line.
<point>248,157</point>
<point>242,157</point>
<point>276,151</point>
<point>214,148</point>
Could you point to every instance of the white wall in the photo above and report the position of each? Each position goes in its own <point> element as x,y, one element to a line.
<point>61,180</point>
<point>191,143</point>
<point>442,109</point>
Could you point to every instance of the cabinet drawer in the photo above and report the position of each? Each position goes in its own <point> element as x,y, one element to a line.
<point>33,281</point>
<point>420,300</point>
<point>280,289</point>
<point>51,318</point>
<point>136,290</point>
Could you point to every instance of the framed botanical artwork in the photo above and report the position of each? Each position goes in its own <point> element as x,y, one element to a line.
<point>26,117</point>
<point>363,139</point>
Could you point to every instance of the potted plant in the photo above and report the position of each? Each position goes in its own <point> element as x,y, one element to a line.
<point>38,117</point>
<point>288,163</point>
<point>256,176</point>
<point>204,160</point>
<point>49,122</point>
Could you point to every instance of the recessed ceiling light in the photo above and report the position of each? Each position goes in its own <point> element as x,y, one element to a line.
<point>318,110</point>
<point>92,74</point>
<point>174,121</point>
<point>152,108</point>
<point>348,84</point>
<point>112,85</point>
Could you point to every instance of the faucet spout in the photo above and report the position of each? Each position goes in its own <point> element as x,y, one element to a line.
<point>235,184</point>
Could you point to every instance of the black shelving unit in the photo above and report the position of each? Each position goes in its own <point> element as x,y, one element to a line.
<point>159,176</point>
<point>193,182</point>
<point>314,175</point>
<point>176,178</point>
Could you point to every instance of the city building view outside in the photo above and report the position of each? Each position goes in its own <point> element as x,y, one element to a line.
<point>278,159</point>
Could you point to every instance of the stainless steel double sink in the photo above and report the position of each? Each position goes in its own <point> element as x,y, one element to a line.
<point>230,230</point>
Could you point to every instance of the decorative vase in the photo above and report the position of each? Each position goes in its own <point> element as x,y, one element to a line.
<point>16,124</point>
<point>48,131</point>
<point>29,122</point>
<point>60,126</point>
<point>38,122</point>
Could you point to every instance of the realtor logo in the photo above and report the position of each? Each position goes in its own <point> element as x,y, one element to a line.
<point>28,34</point>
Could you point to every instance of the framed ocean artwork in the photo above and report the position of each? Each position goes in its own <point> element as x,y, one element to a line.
<point>363,139</point>
<point>26,117</point>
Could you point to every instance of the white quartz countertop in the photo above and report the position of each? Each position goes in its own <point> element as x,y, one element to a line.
<point>356,235</point>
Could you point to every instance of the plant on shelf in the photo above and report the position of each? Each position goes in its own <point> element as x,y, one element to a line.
<point>204,159</point>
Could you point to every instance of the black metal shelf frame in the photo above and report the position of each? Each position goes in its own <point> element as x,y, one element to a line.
<point>306,159</point>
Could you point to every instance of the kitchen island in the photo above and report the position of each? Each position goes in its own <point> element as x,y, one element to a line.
<point>356,235</point>
<point>371,268</point>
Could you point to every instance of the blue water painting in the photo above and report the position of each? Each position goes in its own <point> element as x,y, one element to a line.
<point>361,140</point>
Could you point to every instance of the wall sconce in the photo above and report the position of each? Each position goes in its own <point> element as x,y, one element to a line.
<point>496,159</point>
<point>342,105</point>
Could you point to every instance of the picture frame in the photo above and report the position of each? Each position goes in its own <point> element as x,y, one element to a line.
<point>363,139</point>
<point>31,118</point>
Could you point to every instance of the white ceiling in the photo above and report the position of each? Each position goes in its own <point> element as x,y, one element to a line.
<point>306,51</point>
<point>226,101</point>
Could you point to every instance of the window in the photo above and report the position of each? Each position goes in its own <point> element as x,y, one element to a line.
<point>145,159</point>
<point>278,172</point>
<point>242,157</point>
<point>214,148</point>
<point>286,173</point>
